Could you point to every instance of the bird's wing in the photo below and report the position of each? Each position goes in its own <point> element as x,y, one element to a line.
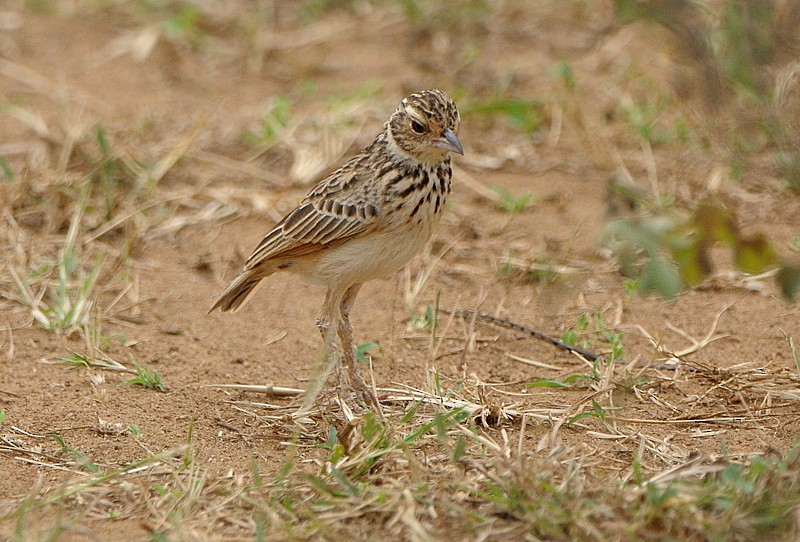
<point>342,206</point>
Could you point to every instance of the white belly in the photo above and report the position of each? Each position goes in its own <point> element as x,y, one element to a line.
<point>365,258</point>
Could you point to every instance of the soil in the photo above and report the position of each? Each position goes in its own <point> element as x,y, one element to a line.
<point>155,102</point>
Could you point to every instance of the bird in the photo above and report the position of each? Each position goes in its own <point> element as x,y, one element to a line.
<point>364,221</point>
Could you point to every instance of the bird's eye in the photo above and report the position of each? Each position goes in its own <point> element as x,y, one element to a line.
<point>417,127</point>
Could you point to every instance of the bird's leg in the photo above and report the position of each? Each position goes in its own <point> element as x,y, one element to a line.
<point>328,323</point>
<point>356,381</point>
<point>346,336</point>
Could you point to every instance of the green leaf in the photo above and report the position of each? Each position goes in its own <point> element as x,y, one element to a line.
<point>548,384</point>
<point>575,378</point>
<point>660,276</point>
<point>632,10</point>
<point>713,223</point>
<point>146,377</point>
<point>692,261</point>
<point>569,337</point>
<point>754,254</point>
<point>184,24</point>
<point>460,448</point>
<point>102,140</point>
<point>410,414</point>
<point>789,281</point>
<point>5,168</point>
<point>79,456</point>
<point>582,416</point>
<point>567,75</point>
<point>636,233</point>
<point>363,348</point>
<point>599,411</point>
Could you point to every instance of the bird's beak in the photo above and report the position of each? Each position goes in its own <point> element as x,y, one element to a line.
<point>449,142</point>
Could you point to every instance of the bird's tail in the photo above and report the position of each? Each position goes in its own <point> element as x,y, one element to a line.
<point>239,291</point>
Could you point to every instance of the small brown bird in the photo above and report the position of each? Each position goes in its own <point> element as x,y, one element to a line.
<point>364,221</point>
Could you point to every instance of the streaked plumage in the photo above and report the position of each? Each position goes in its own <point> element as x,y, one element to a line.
<point>366,219</point>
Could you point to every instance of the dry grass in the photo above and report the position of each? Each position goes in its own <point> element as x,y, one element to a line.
<point>611,459</point>
<point>442,466</point>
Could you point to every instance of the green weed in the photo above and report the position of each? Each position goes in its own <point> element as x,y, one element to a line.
<point>643,117</point>
<point>425,321</point>
<point>738,51</point>
<point>79,456</point>
<point>514,203</point>
<point>524,115</point>
<point>667,252</point>
<point>564,72</point>
<point>146,377</point>
<point>70,302</point>
<point>5,169</point>
<point>572,335</point>
<point>96,362</point>
<point>273,123</point>
<point>183,25</point>
<point>363,349</point>
<point>135,430</point>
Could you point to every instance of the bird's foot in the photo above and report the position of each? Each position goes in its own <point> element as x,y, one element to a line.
<point>355,393</point>
<point>349,390</point>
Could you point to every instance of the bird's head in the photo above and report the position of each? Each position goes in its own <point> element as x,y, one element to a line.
<point>425,126</point>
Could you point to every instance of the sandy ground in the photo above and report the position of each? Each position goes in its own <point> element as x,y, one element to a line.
<point>66,68</point>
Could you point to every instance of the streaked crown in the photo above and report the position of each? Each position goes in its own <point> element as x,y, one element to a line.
<point>425,126</point>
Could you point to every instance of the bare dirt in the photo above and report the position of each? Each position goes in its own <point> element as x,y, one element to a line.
<point>61,66</point>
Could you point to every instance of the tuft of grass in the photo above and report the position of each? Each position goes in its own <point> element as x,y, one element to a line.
<point>447,15</point>
<point>76,359</point>
<point>448,479</point>
<point>425,321</point>
<point>312,10</point>
<point>70,302</point>
<point>273,123</point>
<point>735,499</point>
<point>112,176</point>
<point>738,52</point>
<point>146,377</point>
<point>572,335</point>
<point>643,117</point>
<point>525,115</point>
<point>71,493</point>
<point>601,369</point>
<point>514,203</point>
